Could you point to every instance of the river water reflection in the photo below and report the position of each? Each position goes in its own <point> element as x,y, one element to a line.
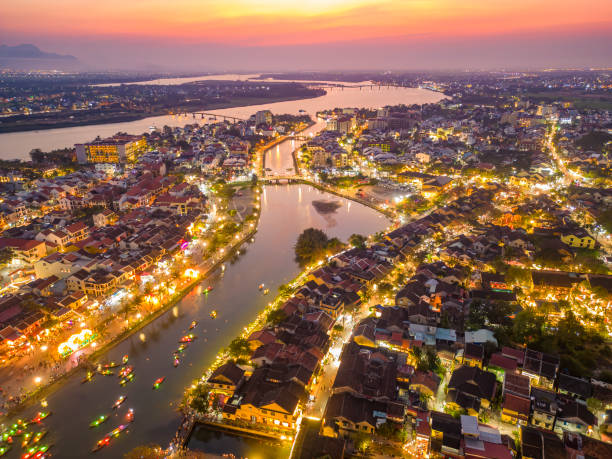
<point>286,211</point>
<point>17,145</point>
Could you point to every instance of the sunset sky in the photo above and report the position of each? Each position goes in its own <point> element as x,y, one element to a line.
<point>316,34</point>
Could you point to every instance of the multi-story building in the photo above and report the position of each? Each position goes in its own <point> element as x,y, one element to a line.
<point>117,149</point>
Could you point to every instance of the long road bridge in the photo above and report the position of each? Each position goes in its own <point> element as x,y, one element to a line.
<point>214,116</point>
<point>371,86</point>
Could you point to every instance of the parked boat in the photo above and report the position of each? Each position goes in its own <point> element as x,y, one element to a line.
<point>126,371</point>
<point>40,416</point>
<point>127,379</point>
<point>99,420</point>
<point>101,444</point>
<point>158,382</point>
<point>119,401</point>
<point>125,359</point>
<point>88,377</point>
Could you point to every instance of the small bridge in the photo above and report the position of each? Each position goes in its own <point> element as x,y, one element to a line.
<point>211,116</point>
<point>280,179</point>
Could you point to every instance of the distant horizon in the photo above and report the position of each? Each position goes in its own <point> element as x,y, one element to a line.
<point>316,35</point>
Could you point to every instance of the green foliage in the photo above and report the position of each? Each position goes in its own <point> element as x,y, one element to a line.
<point>239,347</point>
<point>594,405</point>
<point>594,140</point>
<point>276,316</point>
<point>199,401</point>
<point>312,245</point>
<point>357,240</point>
<point>483,314</point>
<point>6,255</point>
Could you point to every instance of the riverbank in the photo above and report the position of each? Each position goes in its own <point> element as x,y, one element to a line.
<point>275,142</point>
<point>127,117</point>
<point>90,360</point>
<point>387,213</point>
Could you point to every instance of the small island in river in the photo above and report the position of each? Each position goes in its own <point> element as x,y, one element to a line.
<point>326,207</point>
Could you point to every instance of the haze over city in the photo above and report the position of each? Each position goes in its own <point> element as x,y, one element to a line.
<point>306,229</point>
<point>316,35</point>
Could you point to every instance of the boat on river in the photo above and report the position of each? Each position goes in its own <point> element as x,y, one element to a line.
<point>213,314</point>
<point>181,348</point>
<point>127,379</point>
<point>207,290</point>
<point>99,420</point>
<point>40,416</point>
<point>187,338</point>
<point>126,371</point>
<point>117,430</point>
<point>266,291</point>
<point>158,382</point>
<point>119,401</point>
<point>106,372</point>
<point>125,358</point>
<point>39,436</point>
<point>88,377</point>
<point>26,439</point>
<point>130,415</point>
<point>261,286</point>
<point>101,444</point>
<point>111,365</point>
<point>193,325</point>
<point>176,362</point>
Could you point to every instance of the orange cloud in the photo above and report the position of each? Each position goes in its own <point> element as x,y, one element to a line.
<point>284,22</point>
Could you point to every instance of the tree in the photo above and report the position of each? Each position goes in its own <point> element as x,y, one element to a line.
<point>151,451</point>
<point>199,401</point>
<point>357,240</point>
<point>6,255</point>
<point>276,316</point>
<point>528,326</point>
<point>594,405</point>
<point>310,246</point>
<point>239,347</point>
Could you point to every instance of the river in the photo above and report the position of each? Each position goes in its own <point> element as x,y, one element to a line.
<point>286,211</point>
<point>17,145</point>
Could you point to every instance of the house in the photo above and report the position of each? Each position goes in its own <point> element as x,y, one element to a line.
<point>446,435</point>
<point>260,337</point>
<point>425,382</point>
<point>473,355</point>
<point>104,218</point>
<point>540,444</point>
<point>347,415</point>
<point>500,365</point>
<point>270,397</point>
<point>578,238</point>
<point>515,409</point>
<point>574,387</point>
<point>28,250</point>
<point>575,417</point>
<point>226,378</point>
<point>544,408</point>
<point>471,389</point>
<point>541,368</point>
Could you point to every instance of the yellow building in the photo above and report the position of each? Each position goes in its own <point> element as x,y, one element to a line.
<point>117,149</point>
<point>578,239</point>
